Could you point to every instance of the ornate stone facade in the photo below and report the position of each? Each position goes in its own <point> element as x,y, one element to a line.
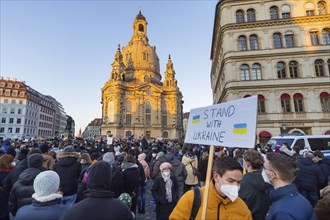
<point>134,100</point>
<point>278,50</point>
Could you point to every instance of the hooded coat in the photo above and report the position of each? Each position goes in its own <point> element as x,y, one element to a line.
<point>156,166</point>
<point>217,207</point>
<point>190,162</point>
<point>179,170</point>
<point>68,168</point>
<point>4,212</point>
<point>21,193</point>
<point>100,202</point>
<point>252,192</point>
<point>15,172</point>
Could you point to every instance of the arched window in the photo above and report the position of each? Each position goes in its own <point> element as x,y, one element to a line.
<point>277,40</point>
<point>147,113</point>
<point>128,134</point>
<point>314,36</point>
<point>164,114</point>
<point>273,12</point>
<point>245,72</point>
<point>239,16</point>
<point>319,67</point>
<point>289,40</point>
<point>141,28</point>
<point>242,43</point>
<point>128,113</point>
<point>253,42</point>
<point>321,8</point>
<point>298,102</point>
<point>256,71</point>
<point>285,103</point>
<point>281,72</point>
<point>309,7</point>
<point>261,104</point>
<point>251,15</point>
<point>293,69</point>
<point>286,11</point>
<point>326,36</point>
<point>325,101</point>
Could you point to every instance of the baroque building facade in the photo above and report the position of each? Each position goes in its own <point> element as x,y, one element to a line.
<point>134,100</point>
<point>278,50</point>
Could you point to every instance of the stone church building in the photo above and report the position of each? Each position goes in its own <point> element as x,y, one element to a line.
<point>135,101</point>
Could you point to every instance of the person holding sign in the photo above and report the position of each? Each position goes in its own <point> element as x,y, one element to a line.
<point>223,201</point>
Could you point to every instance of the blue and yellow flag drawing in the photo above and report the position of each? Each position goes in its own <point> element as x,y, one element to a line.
<point>196,119</point>
<point>240,128</point>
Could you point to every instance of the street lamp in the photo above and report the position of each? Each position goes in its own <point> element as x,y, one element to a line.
<point>284,127</point>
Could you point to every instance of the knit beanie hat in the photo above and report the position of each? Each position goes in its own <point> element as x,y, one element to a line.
<point>108,157</point>
<point>45,185</point>
<point>160,154</point>
<point>35,160</point>
<point>165,165</point>
<point>126,198</point>
<point>142,156</point>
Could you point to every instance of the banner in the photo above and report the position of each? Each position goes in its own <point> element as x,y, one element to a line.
<point>229,124</point>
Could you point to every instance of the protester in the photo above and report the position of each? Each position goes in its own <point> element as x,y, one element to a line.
<point>165,192</point>
<point>142,192</point>
<point>68,168</point>
<point>202,167</point>
<point>324,164</point>
<point>100,202</point>
<point>22,190</point>
<point>180,172</point>
<point>190,161</point>
<point>287,203</point>
<point>6,165</point>
<point>223,201</point>
<point>253,188</point>
<point>46,201</point>
<point>159,160</point>
<point>309,178</point>
<point>322,207</point>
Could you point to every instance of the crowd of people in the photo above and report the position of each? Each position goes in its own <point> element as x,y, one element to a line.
<point>86,179</point>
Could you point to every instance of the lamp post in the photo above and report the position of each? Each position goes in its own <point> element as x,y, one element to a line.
<point>284,127</point>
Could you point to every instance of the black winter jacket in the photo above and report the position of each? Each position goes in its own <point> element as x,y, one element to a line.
<point>68,168</point>
<point>14,174</point>
<point>309,176</point>
<point>179,170</point>
<point>22,190</point>
<point>324,164</point>
<point>100,202</point>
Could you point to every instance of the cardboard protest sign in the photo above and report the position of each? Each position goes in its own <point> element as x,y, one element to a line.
<point>230,124</point>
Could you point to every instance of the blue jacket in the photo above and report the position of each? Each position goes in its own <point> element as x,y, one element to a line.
<point>309,176</point>
<point>51,210</point>
<point>288,203</point>
<point>324,164</point>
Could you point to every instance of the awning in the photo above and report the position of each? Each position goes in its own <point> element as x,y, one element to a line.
<point>265,134</point>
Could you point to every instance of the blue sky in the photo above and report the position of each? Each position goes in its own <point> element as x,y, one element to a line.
<point>65,48</point>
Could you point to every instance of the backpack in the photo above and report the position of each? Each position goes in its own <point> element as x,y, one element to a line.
<point>196,203</point>
<point>195,171</point>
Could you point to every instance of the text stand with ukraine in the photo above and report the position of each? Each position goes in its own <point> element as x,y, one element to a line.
<point>229,124</point>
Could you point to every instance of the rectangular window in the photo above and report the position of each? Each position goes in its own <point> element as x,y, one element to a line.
<point>19,121</point>
<point>3,120</point>
<point>128,119</point>
<point>5,101</point>
<point>19,111</point>
<point>14,93</point>
<point>164,120</point>
<point>20,102</point>
<point>148,119</point>
<point>7,92</point>
<point>2,130</point>
<point>10,130</point>
<point>310,12</point>
<point>314,38</point>
<point>286,15</point>
<point>4,110</point>
<point>17,130</point>
<point>289,41</point>
<point>13,101</point>
<point>261,106</point>
<point>11,120</point>
<point>12,111</point>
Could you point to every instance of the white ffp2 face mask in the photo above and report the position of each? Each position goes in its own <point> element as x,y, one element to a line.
<point>231,191</point>
<point>265,177</point>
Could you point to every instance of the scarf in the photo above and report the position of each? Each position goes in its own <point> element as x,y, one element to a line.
<point>168,187</point>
